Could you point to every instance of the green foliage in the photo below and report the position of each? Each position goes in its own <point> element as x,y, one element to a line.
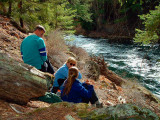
<point>3,7</point>
<point>120,19</point>
<point>82,8</point>
<point>145,37</point>
<point>29,13</point>
<point>65,14</point>
<point>131,8</point>
<point>151,32</point>
<point>88,25</point>
<point>55,14</point>
<point>130,1</point>
<point>64,17</point>
<point>52,14</point>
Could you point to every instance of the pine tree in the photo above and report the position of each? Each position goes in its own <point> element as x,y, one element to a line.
<point>58,15</point>
<point>25,12</point>
<point>83,9</point>
<point>52,14</point>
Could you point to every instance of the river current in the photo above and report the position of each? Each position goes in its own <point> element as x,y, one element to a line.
<point>138,63</point>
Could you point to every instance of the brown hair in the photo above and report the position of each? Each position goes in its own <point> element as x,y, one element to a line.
<point>72,75</point>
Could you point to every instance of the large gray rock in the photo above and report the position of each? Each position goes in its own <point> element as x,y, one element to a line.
<point>20,82</point>
<point>120,112</point>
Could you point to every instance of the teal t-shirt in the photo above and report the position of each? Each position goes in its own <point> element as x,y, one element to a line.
<point>33,51</point>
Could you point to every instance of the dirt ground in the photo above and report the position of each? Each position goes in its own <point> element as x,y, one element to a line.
<point>10,111</point>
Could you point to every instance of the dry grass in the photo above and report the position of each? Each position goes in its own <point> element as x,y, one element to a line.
<point>55,43</point>
<point>56,48</point>
<point>58,51</point>
<point>139,95</point>
<point>133,94</point>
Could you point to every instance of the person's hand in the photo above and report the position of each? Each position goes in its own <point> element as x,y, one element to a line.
<point>87,82</point>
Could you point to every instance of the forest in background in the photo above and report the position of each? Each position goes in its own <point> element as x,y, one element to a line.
<point>114,17</point>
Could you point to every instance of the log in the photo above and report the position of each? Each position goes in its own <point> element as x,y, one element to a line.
<point>18,81</point>
<point>114,77</point>
<point>103,70</point>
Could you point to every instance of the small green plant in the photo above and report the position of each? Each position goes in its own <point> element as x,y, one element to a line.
<point>151,32</point>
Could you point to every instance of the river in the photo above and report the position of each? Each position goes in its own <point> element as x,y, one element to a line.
<point>137,63</point>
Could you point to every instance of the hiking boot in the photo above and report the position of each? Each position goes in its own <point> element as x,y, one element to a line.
<point>99,105</point>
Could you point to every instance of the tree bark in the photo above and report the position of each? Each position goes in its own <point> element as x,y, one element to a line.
<point>20,19</point>
<point>17,83</point>
<point>10,8</point>
<point>114,78</point>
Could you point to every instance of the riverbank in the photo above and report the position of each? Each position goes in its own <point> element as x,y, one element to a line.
<point>137,63</point>
<point>109,93</point>
<point>113,33</point>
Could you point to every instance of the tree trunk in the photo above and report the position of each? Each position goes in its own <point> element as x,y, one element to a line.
<point>20,19</point>
<point>10,8</point>
<point>18,27</point>
<point>18,83</point>
<point>114,78</point>
<point>21,22</point>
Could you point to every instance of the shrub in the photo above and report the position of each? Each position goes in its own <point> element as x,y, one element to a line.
<point>150,34</point>
<point>56,43</point>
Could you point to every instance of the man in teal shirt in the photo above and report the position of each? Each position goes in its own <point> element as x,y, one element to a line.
<point>33,51</point>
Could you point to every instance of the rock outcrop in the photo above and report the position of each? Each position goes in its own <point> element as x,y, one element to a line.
<point>20,82</point>
<point>120,112</point>
<point>84,112</point>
